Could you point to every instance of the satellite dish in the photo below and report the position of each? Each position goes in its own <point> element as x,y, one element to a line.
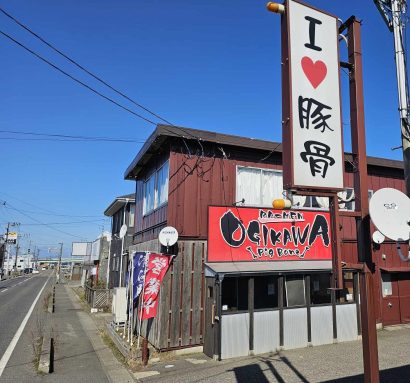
<point>123,231</point>
<point>390,212</point>
<point>168,236</point>
<point>378,237</point>
<point>108,236</point>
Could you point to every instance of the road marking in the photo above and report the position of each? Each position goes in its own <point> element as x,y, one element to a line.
<point>7,354</point>
<point>2,291</point>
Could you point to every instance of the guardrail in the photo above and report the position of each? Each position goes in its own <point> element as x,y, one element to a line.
<point>97,298</point>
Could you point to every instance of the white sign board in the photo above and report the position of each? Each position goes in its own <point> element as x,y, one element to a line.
<point>81,249</point>
<point>313,127</point>
<point>11,237</point>
<point>168,236</point>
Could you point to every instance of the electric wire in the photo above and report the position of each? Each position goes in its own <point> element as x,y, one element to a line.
<point>48,211</point>
<point>58,223</point>
<point>82,67</point>
<point>59,51</point>
<point>75,79</point>
<point>38,221</point>
<point>106,97</point>
<point>70,137</point>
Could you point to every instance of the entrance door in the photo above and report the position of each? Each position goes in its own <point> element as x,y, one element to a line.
<point>404,297</point>
<point>390,299</point>
<point>210,325</point>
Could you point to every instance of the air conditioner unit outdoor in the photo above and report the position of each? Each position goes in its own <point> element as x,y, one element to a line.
<point>119,305</point>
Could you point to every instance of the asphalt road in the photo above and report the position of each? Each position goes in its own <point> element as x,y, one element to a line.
<point>16,297</point>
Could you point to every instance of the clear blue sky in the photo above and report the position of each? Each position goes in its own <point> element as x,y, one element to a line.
<point>212,65</point>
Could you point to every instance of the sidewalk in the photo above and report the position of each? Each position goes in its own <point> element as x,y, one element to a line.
<point>80,354</point>
<point>337,363</point>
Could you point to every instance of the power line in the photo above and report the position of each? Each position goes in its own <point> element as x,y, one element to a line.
<point>82,67</point>
<point>38,221</point>
<point>49,212</point>
<point>58,223</point>
<point>70,137</point>
<point>97,78</point>
<point>75,79</point>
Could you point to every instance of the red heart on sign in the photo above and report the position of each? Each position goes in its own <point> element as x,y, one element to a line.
<point>314,71</point>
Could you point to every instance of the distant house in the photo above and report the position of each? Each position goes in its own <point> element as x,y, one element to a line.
<point>122,212</point>
<point>231,287</point>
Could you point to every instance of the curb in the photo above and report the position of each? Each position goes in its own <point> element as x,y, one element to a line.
<point>124,349</point>
<point>46,362</point>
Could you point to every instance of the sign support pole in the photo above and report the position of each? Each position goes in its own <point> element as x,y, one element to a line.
<point>368,276</point>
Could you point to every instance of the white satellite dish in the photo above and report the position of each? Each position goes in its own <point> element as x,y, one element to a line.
<point>108,236</point>
<point>378,237</point>
<point>390,212</point>
<point>168,236</point>
<point>123,231</point>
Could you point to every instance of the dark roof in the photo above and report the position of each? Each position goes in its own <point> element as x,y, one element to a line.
<point>164,132</point>
<point>118,203</point>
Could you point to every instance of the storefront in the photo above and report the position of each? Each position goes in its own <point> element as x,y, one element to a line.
<point>268,283</point>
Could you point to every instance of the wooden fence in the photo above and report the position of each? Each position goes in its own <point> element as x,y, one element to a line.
<point>97,298</point>
<point>180,319</point>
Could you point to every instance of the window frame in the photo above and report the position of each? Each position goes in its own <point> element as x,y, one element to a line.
<point>236,278</point>
<point>155,203</point>
<point>260,204</point>
<point>285,291</point>
<point>131,215</point>
<point>329,276</point>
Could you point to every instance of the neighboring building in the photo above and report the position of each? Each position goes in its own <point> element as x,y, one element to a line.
<point>2,255</point>
<point>23,261</point>
<point>191,179</point>
<point>122,212</point>
<point>82,251</point>
<point>94,254</point>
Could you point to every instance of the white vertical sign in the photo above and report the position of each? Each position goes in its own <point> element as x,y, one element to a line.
<point>316,129</point>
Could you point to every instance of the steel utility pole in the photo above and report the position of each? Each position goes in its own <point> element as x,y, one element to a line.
<point>59,262</point>
<point>7,244</point>
<point>394,15</point>
<point>17,254</point>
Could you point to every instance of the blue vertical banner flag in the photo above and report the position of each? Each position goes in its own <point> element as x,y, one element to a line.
<point>140,268</point>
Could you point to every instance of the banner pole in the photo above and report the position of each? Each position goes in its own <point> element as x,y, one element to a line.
<point>126,300</point>
<point>142,302</point>
<point>132,299</point>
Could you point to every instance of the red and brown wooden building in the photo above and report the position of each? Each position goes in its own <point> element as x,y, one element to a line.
<point>234,308</point>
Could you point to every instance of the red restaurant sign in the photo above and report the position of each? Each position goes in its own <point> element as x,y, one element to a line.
<point>257,234</point>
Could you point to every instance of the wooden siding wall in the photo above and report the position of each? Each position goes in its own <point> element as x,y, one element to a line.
<point>180,319</point>
<point>194,186</point>
<point>198,182</point>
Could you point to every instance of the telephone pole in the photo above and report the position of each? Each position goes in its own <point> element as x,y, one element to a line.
<point>394,15</point>
<point>59,262</point>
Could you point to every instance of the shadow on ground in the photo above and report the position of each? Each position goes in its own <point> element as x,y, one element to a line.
<point>255,373</point>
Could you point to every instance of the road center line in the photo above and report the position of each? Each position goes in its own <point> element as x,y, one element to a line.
<point>2,291</point>
<point>7,354</point>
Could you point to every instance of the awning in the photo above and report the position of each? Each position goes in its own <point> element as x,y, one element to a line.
<point>212,268</point>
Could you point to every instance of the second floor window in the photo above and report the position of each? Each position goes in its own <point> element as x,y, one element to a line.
<point>156,189</point>
<point>131,216</point>
<point>259,187</point>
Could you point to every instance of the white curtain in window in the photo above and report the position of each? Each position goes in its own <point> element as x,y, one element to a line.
<point>272,187</point>
<point>131,216</point>
<point>347,199</point>
<point>162,186</point>
<point>149,194</point>
<point>298,200</point>
<point>248,186</point>
<point>323,202</point>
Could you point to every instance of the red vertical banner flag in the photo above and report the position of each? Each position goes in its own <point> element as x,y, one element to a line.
<point>157,267</point>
